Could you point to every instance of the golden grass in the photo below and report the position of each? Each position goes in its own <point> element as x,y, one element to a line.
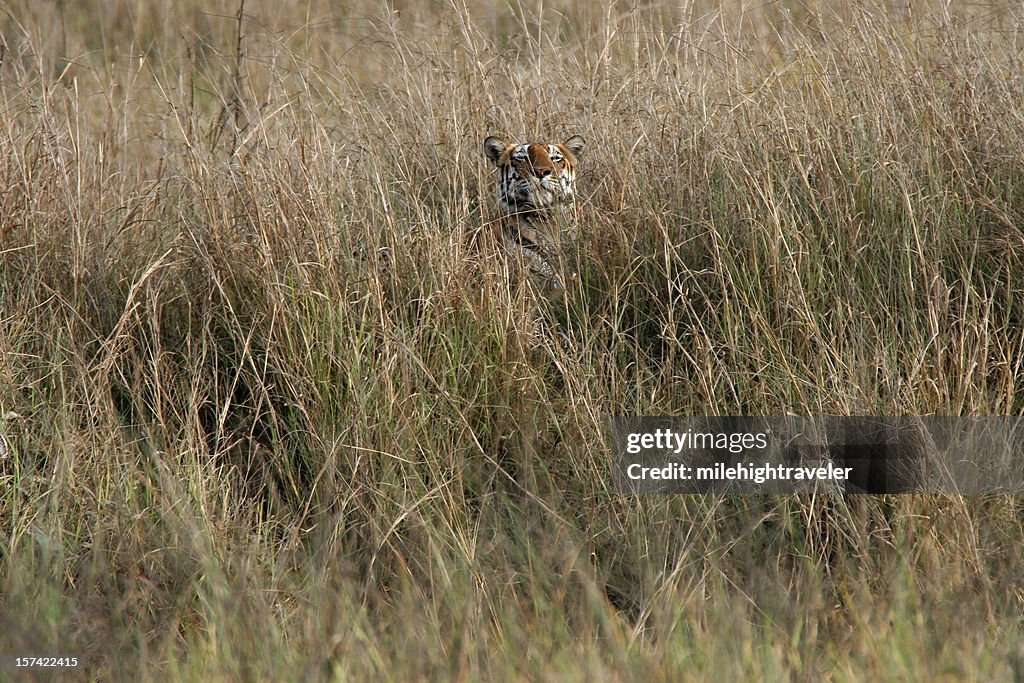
<point>280,416</point>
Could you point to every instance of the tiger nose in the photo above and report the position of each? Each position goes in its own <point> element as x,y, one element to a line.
<point>542,172</point>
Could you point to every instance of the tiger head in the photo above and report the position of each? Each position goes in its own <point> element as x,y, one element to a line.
<point>535,177</point>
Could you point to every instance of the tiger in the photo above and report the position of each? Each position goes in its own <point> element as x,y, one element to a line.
<point>536,188</point>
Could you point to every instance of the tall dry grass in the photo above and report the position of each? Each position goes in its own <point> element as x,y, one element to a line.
<point>277,412</point>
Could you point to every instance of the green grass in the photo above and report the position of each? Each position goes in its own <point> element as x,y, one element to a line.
<point>280,412</point>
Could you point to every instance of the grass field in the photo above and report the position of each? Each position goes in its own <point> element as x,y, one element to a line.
<point>277,410</point>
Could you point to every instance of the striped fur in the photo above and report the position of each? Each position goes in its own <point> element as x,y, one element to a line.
<point>536,187</point>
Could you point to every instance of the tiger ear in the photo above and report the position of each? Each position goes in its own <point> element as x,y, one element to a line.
<point>576,145</point>
<point>494,148</point>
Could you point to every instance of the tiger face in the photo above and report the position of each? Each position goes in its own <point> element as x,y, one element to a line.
<point>535,177</point>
